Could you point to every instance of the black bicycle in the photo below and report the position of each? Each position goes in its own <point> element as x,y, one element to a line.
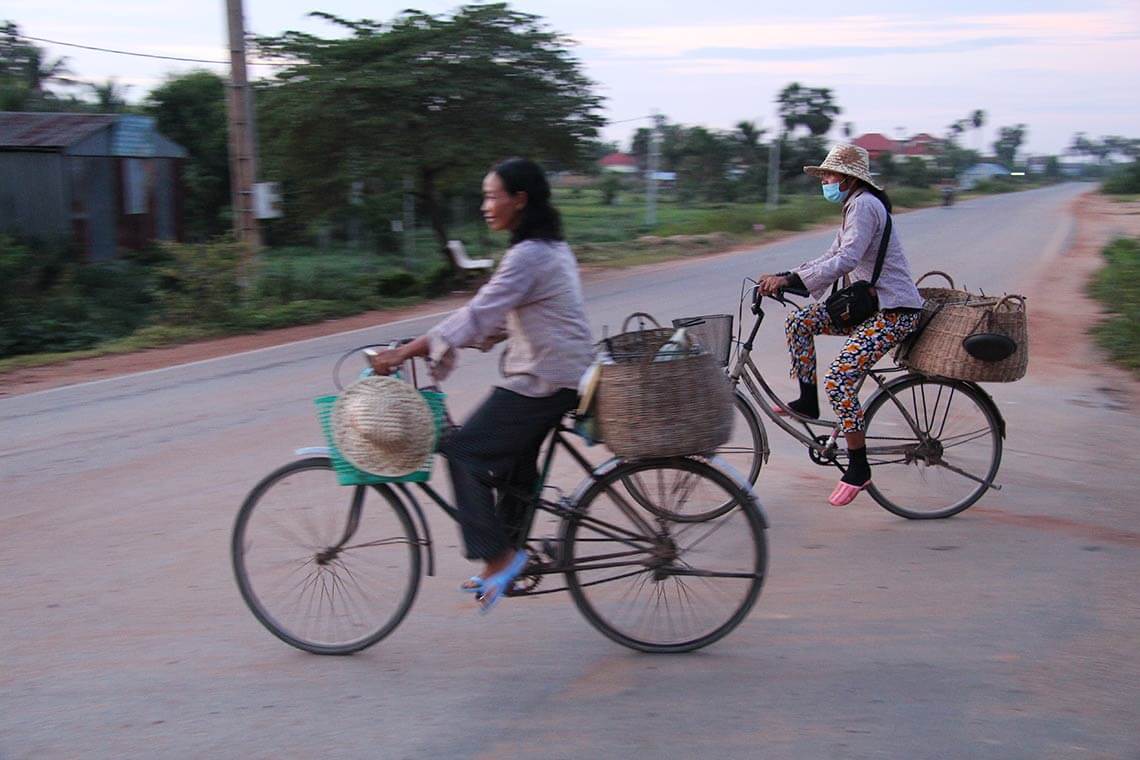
<point>660,555</point>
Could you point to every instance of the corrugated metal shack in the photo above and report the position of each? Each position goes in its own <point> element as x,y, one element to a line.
<point>104,181</point>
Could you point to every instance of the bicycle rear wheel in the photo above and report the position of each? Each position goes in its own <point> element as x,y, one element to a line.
<point>946,469</point>
<point>658,580</point>
<point>329,569</point>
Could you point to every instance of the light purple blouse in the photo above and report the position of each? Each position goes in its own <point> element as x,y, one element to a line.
<point>853,254</point>
<point>535,299</point>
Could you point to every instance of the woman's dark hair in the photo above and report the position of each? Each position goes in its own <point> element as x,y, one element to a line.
<point>880,194</point>
<point>540,220</point>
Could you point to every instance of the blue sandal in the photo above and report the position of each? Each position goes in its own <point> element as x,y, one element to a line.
<point>496,586</point>
<point>476,586</point>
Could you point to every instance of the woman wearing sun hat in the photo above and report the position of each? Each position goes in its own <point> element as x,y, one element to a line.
<point>533,301</point>
<point>845,177</point>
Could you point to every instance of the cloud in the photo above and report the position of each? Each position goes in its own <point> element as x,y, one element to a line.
<point>794,38</point>
<point>817,53</point>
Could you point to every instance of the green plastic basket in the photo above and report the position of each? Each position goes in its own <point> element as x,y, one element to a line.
<point>347,474</point>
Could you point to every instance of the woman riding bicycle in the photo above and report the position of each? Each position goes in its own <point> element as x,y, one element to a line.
<point>534,302</point>
<point>845,178</point>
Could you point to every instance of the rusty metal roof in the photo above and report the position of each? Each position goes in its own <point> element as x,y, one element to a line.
<point>49,130</point>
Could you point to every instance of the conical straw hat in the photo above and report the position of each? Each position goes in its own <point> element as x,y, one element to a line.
<point>383,426</point>
<point>846,159</point>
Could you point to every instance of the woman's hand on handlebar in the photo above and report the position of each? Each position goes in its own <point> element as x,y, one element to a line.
<point>771,284</point>
<point>385,362</point>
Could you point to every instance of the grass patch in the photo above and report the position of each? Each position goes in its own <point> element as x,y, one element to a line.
<point>1117,286</point>
<point>182,293</point>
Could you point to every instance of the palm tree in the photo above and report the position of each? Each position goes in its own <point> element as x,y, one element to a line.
<point>977,120</point>
<point>38,71</point>
<point>111,96</point>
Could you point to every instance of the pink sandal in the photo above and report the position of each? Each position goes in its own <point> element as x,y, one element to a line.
<point>845,493</point>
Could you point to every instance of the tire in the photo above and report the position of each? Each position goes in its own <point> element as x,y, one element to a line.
<point>311,599</point>
<point>745,450</point>
<point>661,553</point>
<point>913,479</point>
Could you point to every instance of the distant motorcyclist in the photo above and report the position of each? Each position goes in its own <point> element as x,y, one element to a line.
<point>948,188</point>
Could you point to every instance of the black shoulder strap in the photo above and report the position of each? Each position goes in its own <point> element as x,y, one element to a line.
<point>882,250</point>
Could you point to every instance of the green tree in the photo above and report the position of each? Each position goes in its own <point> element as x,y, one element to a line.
<point>25,72</point>
<point>191,110</point>
<point>433,98</point>
<point>110,97</point>
<point>977,121</point>
<point>1009,140</point>
<point>703,169</point>
<point>810,107</point>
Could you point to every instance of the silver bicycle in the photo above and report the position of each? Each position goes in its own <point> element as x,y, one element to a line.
<point>934,443</point>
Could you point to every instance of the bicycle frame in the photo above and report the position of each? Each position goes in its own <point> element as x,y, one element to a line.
<point>563,508</point>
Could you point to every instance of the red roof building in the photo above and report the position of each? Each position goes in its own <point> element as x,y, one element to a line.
<point>619,162</point>
<point>923,145</point>
<point>876,144</point>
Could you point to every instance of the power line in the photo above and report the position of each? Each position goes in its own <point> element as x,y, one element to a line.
<point>636,118</point>
<point>148,55</point>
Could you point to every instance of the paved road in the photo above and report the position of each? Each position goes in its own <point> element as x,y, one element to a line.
<point>1007,632</point>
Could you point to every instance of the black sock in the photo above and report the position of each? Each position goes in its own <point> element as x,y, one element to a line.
<point>808,402</point>
<point>858,470</point>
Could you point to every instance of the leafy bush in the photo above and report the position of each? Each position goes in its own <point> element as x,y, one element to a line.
<point>438,280</point>
<point>397,282</point>
<point>296,313</point>
<point>199,284</point>
<point>52,302</point>
<point>1125,180</point>
<point>1117,285</point>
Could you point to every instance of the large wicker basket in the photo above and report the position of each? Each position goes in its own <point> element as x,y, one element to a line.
<point>939,350</point>
<point>952,294</point>
<point>649,408</point>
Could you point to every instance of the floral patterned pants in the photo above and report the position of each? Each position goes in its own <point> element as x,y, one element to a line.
<point>866,344</point>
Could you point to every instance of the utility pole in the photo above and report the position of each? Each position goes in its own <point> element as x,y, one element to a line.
<point>774,172</point>
<point>654,166</point>
<point>243,159</point>
<point>409,221</point>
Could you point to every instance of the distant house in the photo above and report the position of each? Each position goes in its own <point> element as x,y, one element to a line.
<point>876,144</point>
<point>923,146</point>
<point>980,172</point>
<point>620,163</point>
<point>103,181</point>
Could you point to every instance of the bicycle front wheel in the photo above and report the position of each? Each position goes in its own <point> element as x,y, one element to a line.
<point>943,466</point>
<point>329,569</point>
<point>659,580</point>
<point>745,449</point>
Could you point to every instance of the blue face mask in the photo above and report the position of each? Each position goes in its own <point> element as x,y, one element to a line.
<point>832,193</point>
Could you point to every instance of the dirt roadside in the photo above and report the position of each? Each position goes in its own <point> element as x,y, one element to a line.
<point>1060,316</point>
<point>1060,311</point>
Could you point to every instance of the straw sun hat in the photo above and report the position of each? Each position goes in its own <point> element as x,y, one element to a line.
<point>846,159</point>
<point>383,426</point>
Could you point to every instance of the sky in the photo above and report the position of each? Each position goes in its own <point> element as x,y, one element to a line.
<point>899,68</point>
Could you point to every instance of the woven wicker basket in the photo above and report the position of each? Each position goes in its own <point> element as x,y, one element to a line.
<point>650,408</point>
<point>713,332</point>
<point>952,294</point>
<point>938,350</point>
